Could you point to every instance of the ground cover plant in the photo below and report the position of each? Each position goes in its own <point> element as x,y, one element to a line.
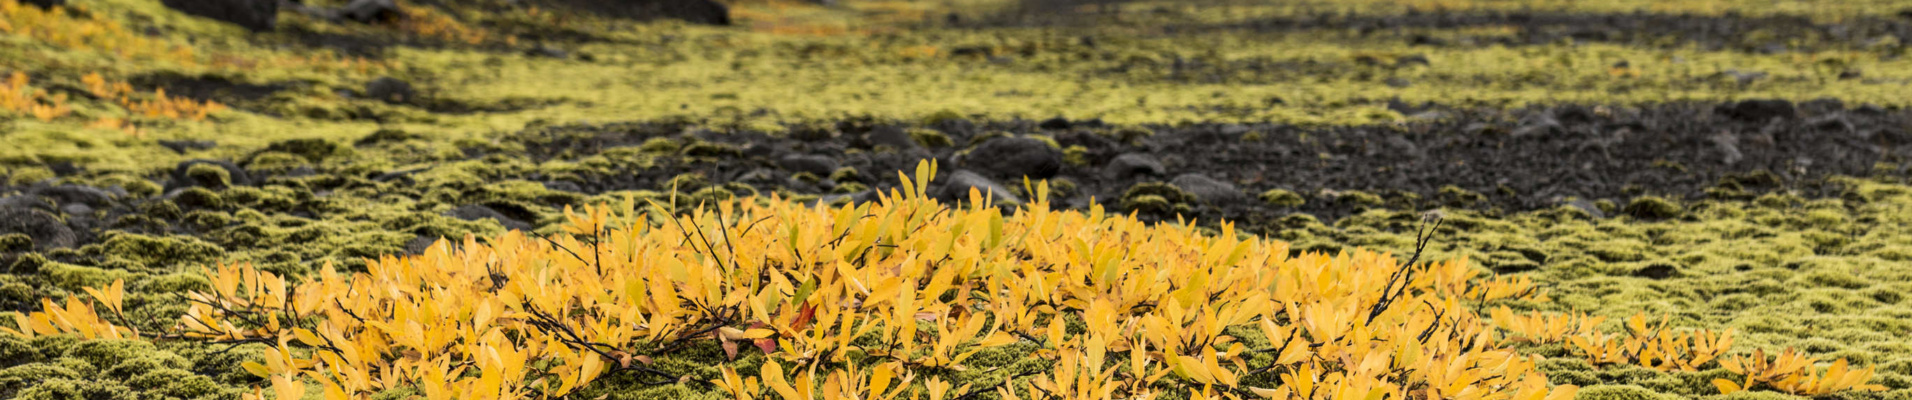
<point>1702,199</point>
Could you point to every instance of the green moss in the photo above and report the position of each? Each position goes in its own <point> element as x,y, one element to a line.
<point>23,176</point>
<point>15,350</point>
<point>73,277</point>
<point>1155,197</point>
<point>160,251</point>
<point>659,145</point>
<point>711,195</point>
<point>1076,156</point>
<point>846,174</point>
<point>1147,203</point>
<point>65,389</point>
<point>107,353</point>
<point>19,377</point>
<point>711,149</point>
<point>1454,196</point>
<point>930,138</point>
<point>198,198</point>
<point>209,175</point>
<point>1358,198</point>
<point>314,150</point>
<point>1619,392</point>
<point>1282,198</point>
<point>1652,207</point>
<point>276,162</point>
<point>141,188</point>
<point>180,384</point>
<point>686,183</point>
<point>144,364</point>
<point>15,242</point>
<point>1132,136</point>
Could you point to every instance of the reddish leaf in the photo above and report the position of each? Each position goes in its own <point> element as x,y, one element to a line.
<point>768,345</point>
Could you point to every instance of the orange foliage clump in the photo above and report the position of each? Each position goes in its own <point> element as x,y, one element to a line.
<point>159,105</point>
<point>17,97</point>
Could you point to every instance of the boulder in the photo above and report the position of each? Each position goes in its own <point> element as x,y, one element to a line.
<point>1014,158</point>
<point>46,229</point>
<point>474,212</point>
<point>390,90</point>
<point>1208,189</point>
<point>1131,165</point>
<point>956,188</point>
<point>1758,110</point>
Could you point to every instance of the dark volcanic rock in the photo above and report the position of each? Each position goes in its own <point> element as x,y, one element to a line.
<point>696,11</point>
<point>815,164</point>
<point>46,3</point>
<point>474,212</point>
<point>1014,158</point>
<point>181,146</point>
<point>369,11</point>
<point>46,229</point>
<point>1057,123</point>
<point>1208,189</point>
<point>891,136</point>
<point>956,188</point>
<point>67,194</point>
<point>1130,165</point>
<point>418,245</point>
<point>390,90</point>
<point>1758,110</point>
<point>254,15</point>
<point>183,175</point>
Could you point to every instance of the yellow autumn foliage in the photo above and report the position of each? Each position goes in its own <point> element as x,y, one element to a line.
<point>863,301</point>
<point>17,97</point>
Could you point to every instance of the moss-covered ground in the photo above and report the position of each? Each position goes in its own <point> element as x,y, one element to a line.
<point>516,114</point>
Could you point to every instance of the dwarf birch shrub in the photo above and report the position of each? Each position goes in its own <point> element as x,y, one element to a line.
<point>873,301</point>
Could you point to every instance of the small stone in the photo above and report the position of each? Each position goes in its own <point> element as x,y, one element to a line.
<point>960,182</point>
<point>548,52</point>
<point>390,90</point>
<point>1057,123</point>
<point>894,137</point>
<point>1014,158</point>
<point>1758,110</point>
<point>1411,59</point>
<point>46,229</point>
<point>1130,165</point>
<point>1208,189</point>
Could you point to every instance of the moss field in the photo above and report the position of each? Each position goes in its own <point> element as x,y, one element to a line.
<point>335,176</point>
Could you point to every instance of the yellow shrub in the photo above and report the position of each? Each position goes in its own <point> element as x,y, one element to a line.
<point>17,97</point>
<point>909,284</point>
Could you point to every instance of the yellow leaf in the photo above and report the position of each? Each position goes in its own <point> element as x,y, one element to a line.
<point>256,369</point>
<point>773,377</point>
<point>1726,386</point>
<point>286,388</point>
